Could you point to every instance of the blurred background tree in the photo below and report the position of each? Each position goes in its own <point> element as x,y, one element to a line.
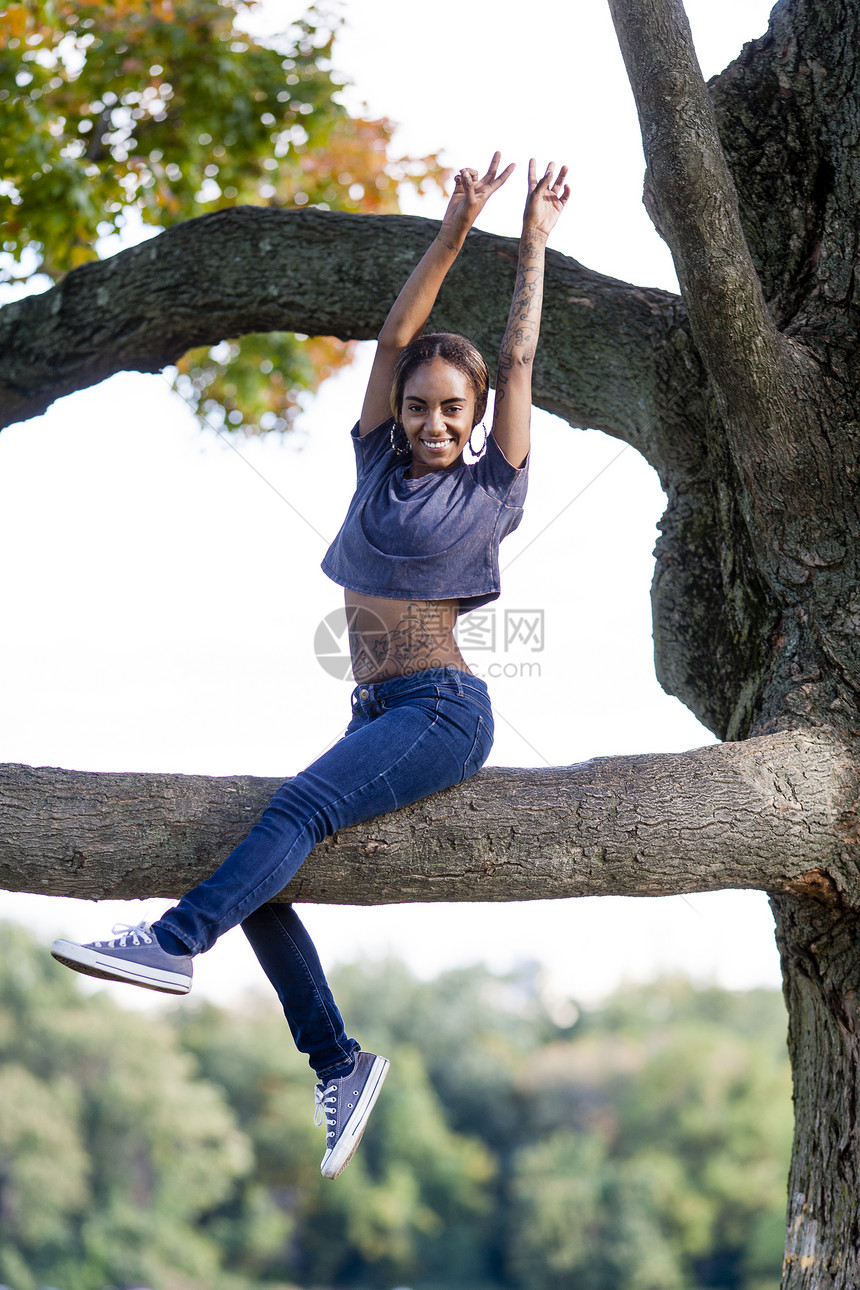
<point>520,1145</point>
<point>112,1149</point>
<point>120,116</point>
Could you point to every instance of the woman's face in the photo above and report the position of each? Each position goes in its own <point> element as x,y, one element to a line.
<point>437,414</point>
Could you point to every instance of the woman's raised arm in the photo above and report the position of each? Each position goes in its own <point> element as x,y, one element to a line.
<point>513,406</point>
<point>412,307</point>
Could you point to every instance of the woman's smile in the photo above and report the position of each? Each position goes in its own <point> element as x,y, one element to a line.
<point>437,444</point>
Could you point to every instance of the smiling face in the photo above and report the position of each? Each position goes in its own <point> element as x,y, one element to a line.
<point>437,414</point>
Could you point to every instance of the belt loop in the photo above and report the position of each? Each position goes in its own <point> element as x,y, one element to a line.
<point>454,674</point>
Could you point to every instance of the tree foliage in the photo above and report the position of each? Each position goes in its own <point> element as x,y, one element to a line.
<point>112,1149</point>
<point>148,112</point>
<point>642,1145</point>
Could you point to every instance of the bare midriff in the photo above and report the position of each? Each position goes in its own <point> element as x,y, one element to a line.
<point>397,637</point>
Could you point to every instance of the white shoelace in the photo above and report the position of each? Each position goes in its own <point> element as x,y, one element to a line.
<point>122,931</point>
<point>325,1101</point>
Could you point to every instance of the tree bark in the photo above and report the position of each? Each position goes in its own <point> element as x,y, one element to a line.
<point>782,447</point>
<point>787,110</point>
<point>764,813</point>
<point>604,359</point>
<point>819,947</point>
<point>782,478</point>
<point>697,208</point>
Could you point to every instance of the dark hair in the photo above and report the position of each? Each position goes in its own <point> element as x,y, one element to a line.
<point>451,348</point>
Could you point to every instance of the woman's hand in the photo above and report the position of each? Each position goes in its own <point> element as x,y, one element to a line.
<point>471,195</point>
<point>546,199</point>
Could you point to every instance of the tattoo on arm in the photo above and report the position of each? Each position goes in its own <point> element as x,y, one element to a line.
<point>521,334</point>
<point>506,362</point>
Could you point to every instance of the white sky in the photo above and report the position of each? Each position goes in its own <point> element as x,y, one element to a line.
<point>161,588</point>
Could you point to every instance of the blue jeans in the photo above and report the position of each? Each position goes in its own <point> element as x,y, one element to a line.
<point>409,737</point>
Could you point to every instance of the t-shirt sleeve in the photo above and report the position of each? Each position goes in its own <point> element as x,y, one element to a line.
<point>372,447</point>
<point>495,474</point>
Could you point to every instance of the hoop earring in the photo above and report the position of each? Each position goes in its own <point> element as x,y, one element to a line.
<point>477,452</point>
<point>399,442</point>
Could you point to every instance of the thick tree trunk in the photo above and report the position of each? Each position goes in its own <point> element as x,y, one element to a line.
<point>819,940</point>
<point>783,449</point>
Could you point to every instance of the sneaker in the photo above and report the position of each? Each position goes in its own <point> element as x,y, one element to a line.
<point>134,955</point>
<point>346,1104</point>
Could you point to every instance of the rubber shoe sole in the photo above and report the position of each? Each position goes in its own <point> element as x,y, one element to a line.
<point>335,1161</point>
<point>110,967</point>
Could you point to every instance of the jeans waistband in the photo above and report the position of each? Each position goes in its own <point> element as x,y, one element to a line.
<point>462,681</point>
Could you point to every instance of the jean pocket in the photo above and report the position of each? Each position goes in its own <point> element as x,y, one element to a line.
<point>481,703</point>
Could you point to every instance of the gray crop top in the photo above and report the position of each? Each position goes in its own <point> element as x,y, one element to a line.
<point>433,538</point>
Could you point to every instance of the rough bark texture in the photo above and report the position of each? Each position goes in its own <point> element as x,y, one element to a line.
<point>767,273</point>
<point>745,396</point>
<point>762,813</point>
<point>330,273</point>
<point>818,943</point>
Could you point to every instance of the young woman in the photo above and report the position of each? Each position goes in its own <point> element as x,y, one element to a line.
<point>418,547</point>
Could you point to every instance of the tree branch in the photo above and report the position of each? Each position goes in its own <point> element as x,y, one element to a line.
<point>698,208</point>
<point>779,398</point>
<point>757,814</point>
<point>612,356</point>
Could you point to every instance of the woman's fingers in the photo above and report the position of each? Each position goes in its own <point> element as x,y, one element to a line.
<point>549,184</point>
<point>560,190</point>
<point>474,186</point>
<point>505,175</point>
<point>493,166</point>
<point>492,179</point>
<point>467,180</point>
<point>546,180</point>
